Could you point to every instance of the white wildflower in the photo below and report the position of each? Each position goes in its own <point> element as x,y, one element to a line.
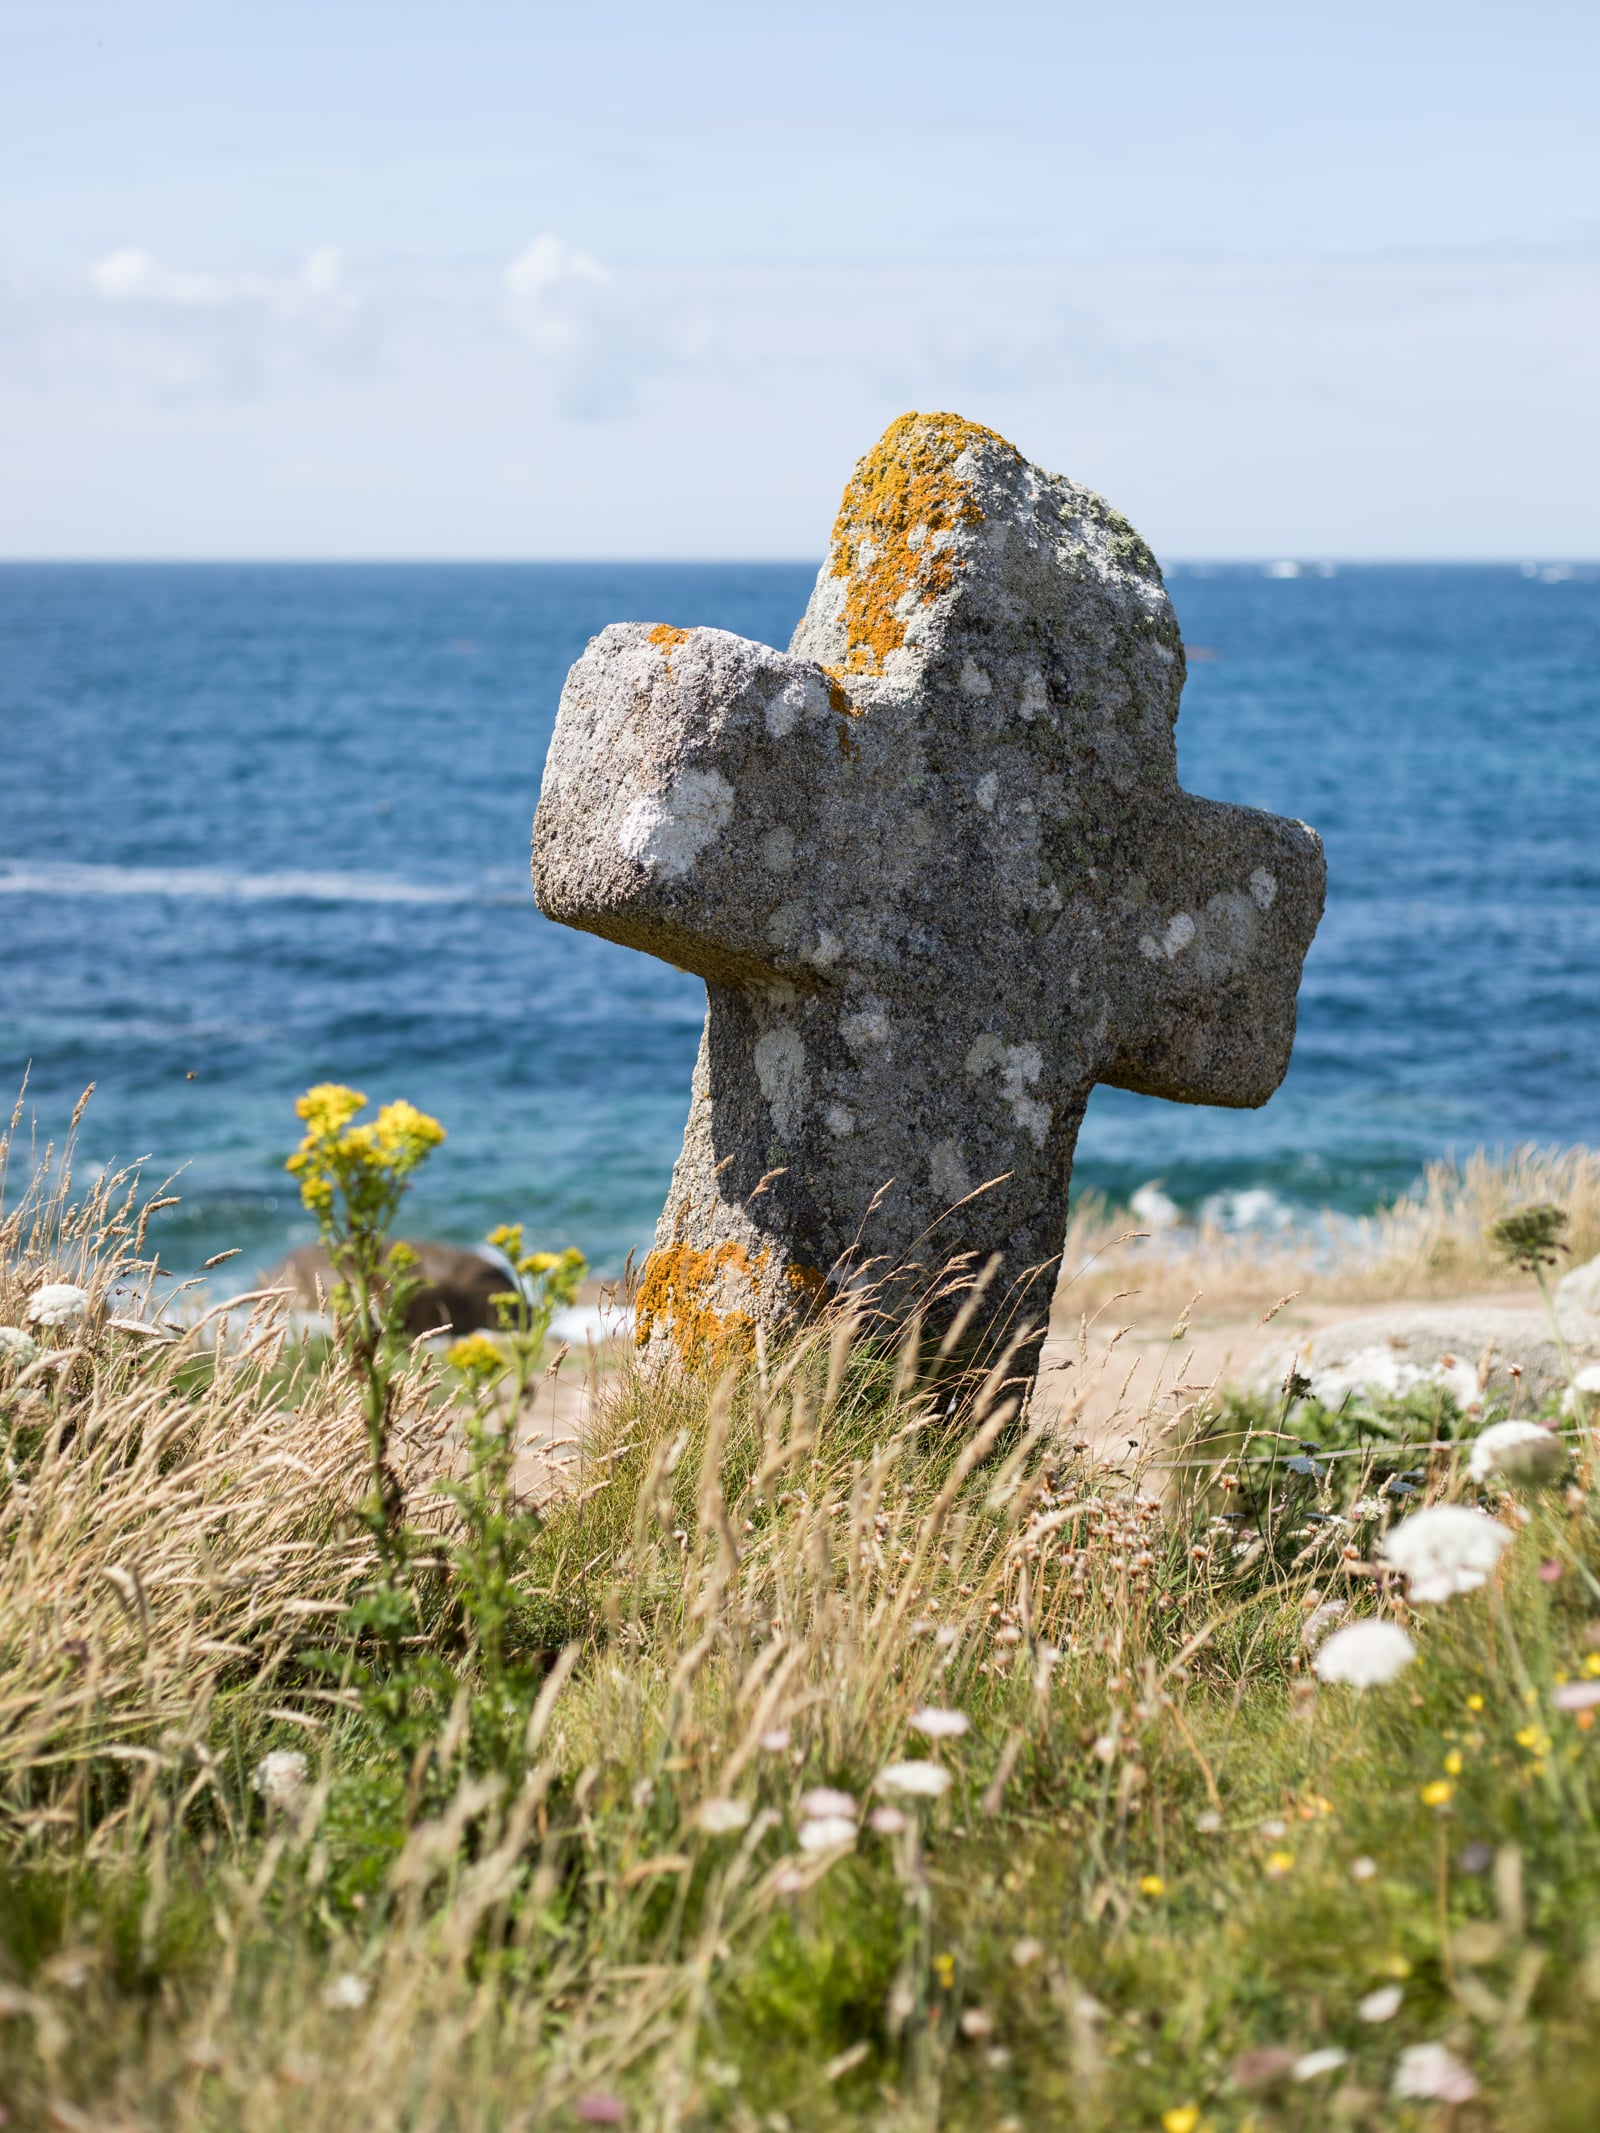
<point>939,1725</point>
<point>280,1777</point>
<point>1444,1550</point>
<point>775,1740</point>
<point>1577,1696</point>
<point>887,1821</point>
<point>1381,2005</point>
<point>1321,1624</point>
<point>721,1818</point>
<point>824,1804</point>
<point>1365,1654</point>
<point>1310,2064</point>
<point>1363,1869</point>
<point>826,1831</point>
<point>345,1993</point>
<point>1517,1451</point>
<point>923,1780</point>
<point>1435,2073</point>
<point>17,1347</point>
<point>58,1303</point>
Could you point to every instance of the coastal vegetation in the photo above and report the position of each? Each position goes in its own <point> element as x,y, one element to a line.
<point>838,1748</point>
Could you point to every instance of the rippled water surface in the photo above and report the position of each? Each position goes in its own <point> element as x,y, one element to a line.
<point>268,825</point>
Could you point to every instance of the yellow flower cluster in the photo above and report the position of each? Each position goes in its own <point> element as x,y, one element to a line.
<point>568,1268</point>
<point>366,1163</point>
<point>475,1357</point>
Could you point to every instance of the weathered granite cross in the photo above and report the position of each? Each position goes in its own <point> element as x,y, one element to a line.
<point>938,874</point>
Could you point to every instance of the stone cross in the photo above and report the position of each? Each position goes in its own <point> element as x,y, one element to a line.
<point>937,872</point>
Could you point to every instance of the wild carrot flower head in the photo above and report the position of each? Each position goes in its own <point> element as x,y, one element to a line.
<point>1520,1451</point>
<point>938,1725</point>
<point>17,1347</point>
<point>918,1779</point>
<point>1365,1654</point>
<point>1433,2073</point>
<point>58,1303</point>
<point>280,1777</point>
<point>1444,1550</point>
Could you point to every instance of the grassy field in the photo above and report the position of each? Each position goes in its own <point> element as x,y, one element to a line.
<point>835,1752</point>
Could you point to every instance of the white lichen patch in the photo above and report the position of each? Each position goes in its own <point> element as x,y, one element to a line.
<point>666,832</point>
<point>827,952</point>
<point>1023,1066</point>
<point>1179,933</point>
<point>780,1063</point>
<point>947,1172</point>
<point>1263,889</point>
<point>802,695</point>
<point>777,849</point>
<point>974,681</point>
<point>1019,1067</point>
<point>866,1031</point>
<point>1035,695</point>
<point>839,1122</point>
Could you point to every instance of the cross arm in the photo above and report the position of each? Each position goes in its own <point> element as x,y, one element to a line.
<point>685,768</point>
<point>1208,952</point>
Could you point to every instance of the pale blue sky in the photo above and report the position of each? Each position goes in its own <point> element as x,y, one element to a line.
<point>515,280</point>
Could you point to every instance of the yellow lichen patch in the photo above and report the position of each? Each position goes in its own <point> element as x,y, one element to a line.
<point>844,710</point>
<point>809,1283</point>
<point>667,640</point>
<point>683,1290</point>
<point>901,495</point>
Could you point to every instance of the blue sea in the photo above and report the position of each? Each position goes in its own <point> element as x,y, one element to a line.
<point>268,825</point>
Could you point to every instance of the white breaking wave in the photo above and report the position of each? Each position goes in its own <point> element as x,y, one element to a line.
<point>45,877</point>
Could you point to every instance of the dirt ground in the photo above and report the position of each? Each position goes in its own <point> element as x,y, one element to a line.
<point>1122,1378</point>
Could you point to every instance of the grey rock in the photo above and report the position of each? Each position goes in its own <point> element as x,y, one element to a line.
<point>454,1296</point>
<point>1469,1349</point>
<point>936,869</point>
<point>1578,1307</point>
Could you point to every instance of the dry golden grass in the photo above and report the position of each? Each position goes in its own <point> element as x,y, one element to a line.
<point>1433,1242</point>
<point>755,1585</point>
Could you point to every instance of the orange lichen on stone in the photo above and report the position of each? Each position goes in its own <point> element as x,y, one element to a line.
<point>681,1289</point>
<point>809,1283</point>
<point>667,640</point>
<point>844,710</point>
<point>901,495</point>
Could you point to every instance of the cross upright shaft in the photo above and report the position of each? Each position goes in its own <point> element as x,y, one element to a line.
<point>938,874</point>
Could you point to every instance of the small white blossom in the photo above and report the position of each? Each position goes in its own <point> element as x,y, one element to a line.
<point>939,1725</point>
<point>1445,1550</point>
<point>1310,2064</point>
<point>1381,2005</point>
<point>720,1818</point>
<point>923,1780</point>
<point>1321,1623</point>
<point>280,1777</point>
<point>826,1831</point>
<point>1363,1869</point>
<point>823,1803</point>
<point>1433,2072</point>
<point>58,1303</point>
<point>775,1740</point>
<point>1365,1654</point>
<point>1518,1451</point>
<point>1577,1696</point>
<point>887,1821</point>
<point>346,1993</point>
<point>16,1347</point>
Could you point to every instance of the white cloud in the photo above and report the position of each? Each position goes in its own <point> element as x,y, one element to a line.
<point>1294,407</point>
<point>590,334</point>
